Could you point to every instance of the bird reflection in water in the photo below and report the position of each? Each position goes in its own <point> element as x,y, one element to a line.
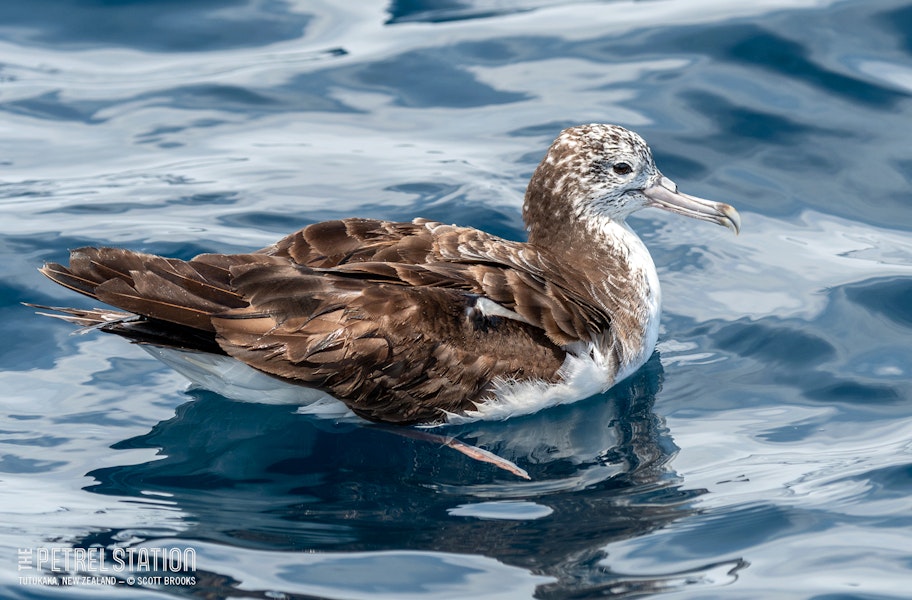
<point>261,477</point>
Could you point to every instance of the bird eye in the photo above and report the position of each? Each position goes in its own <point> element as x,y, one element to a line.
<point>622,168</point>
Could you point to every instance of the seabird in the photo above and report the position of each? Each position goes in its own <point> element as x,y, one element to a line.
<point>420,322</point>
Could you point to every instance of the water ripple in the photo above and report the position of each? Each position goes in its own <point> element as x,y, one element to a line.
<point>764,448</point>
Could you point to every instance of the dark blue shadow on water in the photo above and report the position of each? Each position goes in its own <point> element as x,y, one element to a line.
<point>850,360</point>
<point>441,11</point>
<point>152,25</point>
<point>262,477</point>
<point>755,47</point>
<point>889,297</point>
<point>899,23</point>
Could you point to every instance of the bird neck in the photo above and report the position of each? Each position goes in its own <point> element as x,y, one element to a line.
<point>621,275</point>
<point>567,230</point>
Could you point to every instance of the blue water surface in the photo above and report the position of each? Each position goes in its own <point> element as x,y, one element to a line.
<point>765,450</point>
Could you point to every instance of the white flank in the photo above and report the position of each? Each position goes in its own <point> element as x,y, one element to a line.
<point>582,375</point>
<point>233,379</point>
<point>226,376</point>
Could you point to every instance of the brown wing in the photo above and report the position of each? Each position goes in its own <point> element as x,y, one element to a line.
<point>383,315</point>
<point>426,253</point>
<point>391,352</point>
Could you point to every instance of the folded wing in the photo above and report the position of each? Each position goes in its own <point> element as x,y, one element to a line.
<point>404,322</point>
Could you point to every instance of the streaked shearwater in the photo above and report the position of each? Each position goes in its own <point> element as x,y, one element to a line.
<point>420,322</point>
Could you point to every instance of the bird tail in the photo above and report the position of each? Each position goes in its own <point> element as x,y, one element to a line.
<point>133,327</point>
<point>185,293</point>
<point>87,318</point>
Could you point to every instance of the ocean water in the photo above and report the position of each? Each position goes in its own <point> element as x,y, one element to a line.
<point>765,451</point>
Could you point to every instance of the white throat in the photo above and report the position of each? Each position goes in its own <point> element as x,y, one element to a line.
<point>644,289</point>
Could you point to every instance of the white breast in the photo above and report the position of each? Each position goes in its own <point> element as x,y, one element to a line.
<point>650,303</point>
